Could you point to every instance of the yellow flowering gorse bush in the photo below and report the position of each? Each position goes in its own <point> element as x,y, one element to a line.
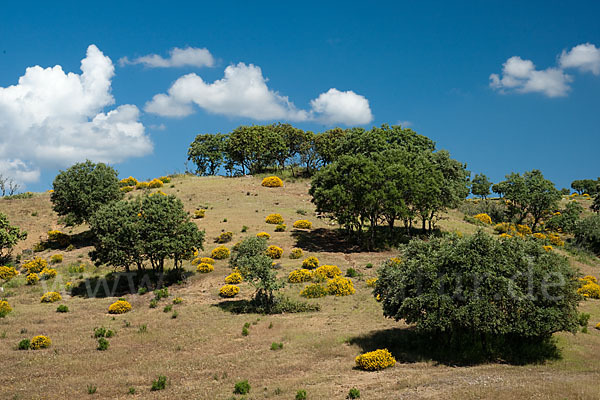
<point>48,273</point>
<point>547,248</point>
<point>303,224</point>
<point>274,252</point>
<point>371,282</point>
<point>32,279</point>
<point>311,262</point>
<point>220,253</point>
<point>199,213</point>
<point>272,181</point>
<point>299,276</point>
<point>119,307</point>
<point>5,308</point>
<point>296,253</point>
<point>483,217</point>
<point>40,342</point>
<point>326,271</point>
<point>263,235</point>
<point>7,273</point>
<point>339,286</point>
<point>274,219</point>
<point>36,265</point>
<point>233,278</point>
<point>205,267</point>
<point>229,291</point>
<point>375,360</point>
<point>51,297</point>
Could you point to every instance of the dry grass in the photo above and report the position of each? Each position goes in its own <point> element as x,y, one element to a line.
<point>203,353</point>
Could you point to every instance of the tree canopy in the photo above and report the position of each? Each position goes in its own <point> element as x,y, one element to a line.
<point>9,236</point>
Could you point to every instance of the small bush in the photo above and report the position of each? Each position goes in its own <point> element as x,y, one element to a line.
<point>56,259</point>
<point>301,394</point>
<point>354,393</point>
<point>142,185</point>
<point>263,235</point>
<point>276,346</point>
<point>224,237</point>
<point>233,278</point>
<point>351,273</point>
<point>127,189</point>
<point>587,234</point>
<point>155,183</point>
<point>177,300</point>
<point>161,294</point>
<point>165,179</point>
<point>51,297</point>
<point>102,344</point>
<point>310,262</point>
<point>159,384</point>
<point>36,265</point>
<point>242,387</point>
<point>119,307</point>
<point>375,360</point>
<point>24,344</point>
<point>40,342</point>
<point>299,276</point>
<point>296,253</point>
<point>326,271</point>
<point>244,229</point>
<point>313,291</point>
<point>274,219</point>
<point>555,240</point>
<point>272,181</point>
<point>339,286</point>
<point>7,273</point>
<point>62,309</point>
<point>5,308</point>
<point>32,279</point>
<point>142,291</point>
<point>48,273</point>
<point>371,282</point>
<point>280,228</point>
<point>590,290</point>
<point>483,217</point>
<point>303,224</point>
<point>131,181</point>
<point>153,303</point>
<point>205,268</point>
<point>199,214</point>
<point>274,252</point>
<point>229,291</point>
<point>220,253</point>
<point>168,308</point>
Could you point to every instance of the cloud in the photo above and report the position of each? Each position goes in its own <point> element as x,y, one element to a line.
<point>51,119</point>
<point>243,92</point>
<point>522,76</point>
<point>188,57</point>
<point>585,57</point>
<point>335,107</point>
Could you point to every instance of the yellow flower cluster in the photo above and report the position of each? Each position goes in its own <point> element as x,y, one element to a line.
<point>539,235</point>
<point>165,179</point>
<point>263,235</point>
<point>5,308</point>
<point>32,279</point>
<point>7,273</point>
<point>131,181</point>
<point>68,286</point>
<point>233,278</point>
<point>556,240</point>
<point>272,181</point>
<point>505,235</point>
<point>483,217</point>
<point>51,297</point>
<point>59,237</point>
<point>310,262</point>
<point>177,300</point>
<point>199,214</point>
<point>296,253</point>
<point>375,360</point>
<point>523,230</point>
<point>127,189</point>
<point>40,342</point>
<point>229,291</point>
<point>371,282</point>
<point>590,278</point>
<point>339,286</point>
<point>590,288</point>
<point>299,275</point>
<point>36,265</point>
<point>314,290</point>
<point>48,273</point>
<point>155,183</point>
<point>274,252</point>
<point>326,271</point>
<point>56,258</point>
<point>205,267</point>
<point>142,185</point>
<point>119,307</point>
<point>303,224</point>
<point>547,248</point>
<point>396,261</point>
<point>220,253</point>
<point>274,219</point>
<point>206,260</point>
<point>158,192</point>
<point>598,326</point>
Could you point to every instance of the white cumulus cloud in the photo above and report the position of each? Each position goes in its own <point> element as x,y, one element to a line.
<point>188,57</point>
<point>585,57</point>
<point>243,92</point>
<point>51,119</point>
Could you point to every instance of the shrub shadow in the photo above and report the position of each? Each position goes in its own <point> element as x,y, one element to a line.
<point>282,305</point>
<point>409,346</point>
<point>117,284</point>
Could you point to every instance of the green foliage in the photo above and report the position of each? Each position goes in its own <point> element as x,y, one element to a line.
<point>102,344</point>
<point>24,344</point>
<point>91,389</point>
<point>589,186</point>
<point>480,186</point>
<point>276,346</point>
<point>150,229</point>
<point>351,273</point>
<point>9,236</point>
<point>596,204</point>
<point>242,387</point>
<point>256,269</point>
<point>301,394</point>
<point>206,151</point>
<point>82,189</point>
<point>531,194</point>
<point>159,384</point>
<point>354,393</point>
<point>161,294</point>
<point>567,220</point>
<point>481,286</point>
<point>587,234</point>
<point>62,309</point>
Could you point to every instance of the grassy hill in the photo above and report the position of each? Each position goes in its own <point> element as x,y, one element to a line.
<point>202,351</point>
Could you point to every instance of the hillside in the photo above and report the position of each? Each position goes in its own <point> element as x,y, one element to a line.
<point>202,351</point>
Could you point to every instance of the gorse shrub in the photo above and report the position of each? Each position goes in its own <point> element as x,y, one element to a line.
<point>36,265</point>
<point>220,253</point>
<point>127,189</point>
<point>486,219</point>
<point>199,213</point>
<point>56,259</point>
<point>205,267</point>
<point>314,290</point>
<point>142,185</point>
<point>303,224</point>
<point>339,286</point>
<point>40,342</point>
<point>300,275</point>
<point>375,360</point>
<point>326,271</point>
<point>296,253</point>
<point>5,308</point>
<point>555,240</point>
<point>177,300</point>
<point>102,344</point>
<point>155,183</point>
<point>353,393</point>
<point>24,344</point>
<point>310,262</point>
<point>161,294</point>
<point>119,307</point>
<point>48,273</point>
<point>274,219</point>
<point>224,237</point>
<point>589,287</point>
<point>280,228</point>
<point>371,282</point>
<point>165,179</point>
<point>263,235</point>
<point>51,297</point>
<point>274,252</point>
<point>301,394</point>
<point>272,181</point>
<point>32,279</point>
<point>229,291</point>
<point>233,278</point>
<point>7,273</point>
<point>131,181</point>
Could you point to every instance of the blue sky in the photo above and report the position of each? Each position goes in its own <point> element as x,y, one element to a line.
<point>424,64</point>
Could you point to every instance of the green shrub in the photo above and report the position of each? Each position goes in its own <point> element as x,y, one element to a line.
<point>351,273</point>
<point>168,308</point>
<point>91,389</point>
<point>224,237</point>
<point>24,344</point>
<point>276,346</point>
<point>301,394</point>
<point>161,294</point>
<point>159,384</point>
<point>62,309</point>
<point>143,290</point>
<point>587,234</point>
<point>103,344</point>
<point>242,387</point>
<point>354,393</point>
<point>153,303</point>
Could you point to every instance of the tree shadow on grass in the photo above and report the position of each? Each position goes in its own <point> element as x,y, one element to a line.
<point>325,240</point>
<point>117,284</point>
<point>409,346</point>
<point>283,304</point>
